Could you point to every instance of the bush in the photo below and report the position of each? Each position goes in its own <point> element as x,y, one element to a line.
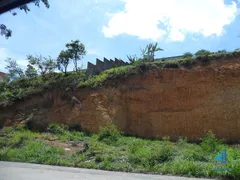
<point>22,87</point>
<point>163,154</point>
<point>202,52</point>
<point>210,143</point>
<point>194,153</point>
<point>57,128</point>
<point>109,134</point>
<point>171,64</point>
<point>149,156</point>
<point>187,62</point>
<point>187,55</point>
<point>99,158</point>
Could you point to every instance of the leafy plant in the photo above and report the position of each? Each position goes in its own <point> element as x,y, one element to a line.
<point>187,55</point>
<point>202,52</point>
<point>210,143</point>
<point>57,128</point>
<point>132,59</point>
<point>31,72</point>
<point>13,68</point>
<point>109,134</point>
<point>63,61</point>
<point>149,51</point>
<point>75,51</point>
<point>44,65</point>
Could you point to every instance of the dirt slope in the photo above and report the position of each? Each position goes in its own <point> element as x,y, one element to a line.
<point>166,102</point>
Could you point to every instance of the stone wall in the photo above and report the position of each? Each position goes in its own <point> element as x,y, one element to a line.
<point>104,65</point>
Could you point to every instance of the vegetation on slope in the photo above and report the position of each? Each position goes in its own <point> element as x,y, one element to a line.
<point>29,83</point>
<point>110,150</point>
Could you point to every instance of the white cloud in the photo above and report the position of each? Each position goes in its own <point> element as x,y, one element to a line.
<point>141,18</point>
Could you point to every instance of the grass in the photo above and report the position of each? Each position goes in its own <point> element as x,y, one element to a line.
<point>111,150</point>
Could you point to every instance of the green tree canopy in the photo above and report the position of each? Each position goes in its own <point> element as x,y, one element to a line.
<point>42,64</point>
<point>13,68</point>
<point>202,52</point>
<point>187,55</point>
<point>31,72</point>
<point>63,61</point>
<point>76,51</point>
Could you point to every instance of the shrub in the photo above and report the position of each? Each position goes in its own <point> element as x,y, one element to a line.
<point>57,128</point>
<point>187,55</point>
<point>137,62</point>
<point>163,153</point>
<point>195,153</point>
<point>222,51</point>
<point>148,156</point>
<point>99,158</point>
<point>182,142</point>
<point>171,64</point>
<point>132,59</point>
<point>202,52</point>
<point>210,143</point>
<point>109,134</point>
<point>187,62</point>
<point>141,157</point>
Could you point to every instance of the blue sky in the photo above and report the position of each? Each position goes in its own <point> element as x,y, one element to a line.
<point>118,28</point>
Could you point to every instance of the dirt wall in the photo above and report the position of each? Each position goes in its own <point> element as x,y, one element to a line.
<point>166,102</point>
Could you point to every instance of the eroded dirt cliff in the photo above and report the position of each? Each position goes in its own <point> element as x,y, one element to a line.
<point>165,102</point>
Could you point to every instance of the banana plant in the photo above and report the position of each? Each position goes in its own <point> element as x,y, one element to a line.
<point>149,52</point>
<point>132,59</point>
<point>154,48</point>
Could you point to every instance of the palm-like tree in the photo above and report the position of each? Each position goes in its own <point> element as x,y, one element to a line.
<point>149,52</point>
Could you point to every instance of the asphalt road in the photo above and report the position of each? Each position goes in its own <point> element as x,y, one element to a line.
<point>24,171</point>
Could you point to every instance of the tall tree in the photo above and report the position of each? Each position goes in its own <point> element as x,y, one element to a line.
<point>42,64</point>
<point>31,72</point>
<point>76,51</point>
<point>63,61</point>
<point>4,31</point>
<point>13,68</point>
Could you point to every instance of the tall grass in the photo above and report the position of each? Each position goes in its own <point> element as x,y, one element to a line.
<point>110,150</point>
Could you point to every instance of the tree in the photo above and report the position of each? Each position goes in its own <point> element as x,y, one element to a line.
<point>153,48</point>
<point>202,52</point>
<point>187,55</point>
<point>222,51</point>
<point>149,52</point>
<point>4,31</point>
<point>76,51</point>
<point>63,61</point>
<point>13,68</point>
<point>43,65</point>
<point>31,72</point>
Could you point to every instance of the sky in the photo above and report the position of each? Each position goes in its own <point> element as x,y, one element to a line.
<point>116,28</point>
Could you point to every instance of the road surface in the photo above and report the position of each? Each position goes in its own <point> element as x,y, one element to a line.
<point>24,171</point>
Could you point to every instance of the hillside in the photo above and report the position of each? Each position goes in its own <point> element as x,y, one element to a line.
<point>173,98</point>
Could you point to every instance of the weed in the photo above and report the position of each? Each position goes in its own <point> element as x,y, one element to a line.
<point>57,128</point>
<point>110,150</point>
<point>210,143</point>
<point>109,134</point>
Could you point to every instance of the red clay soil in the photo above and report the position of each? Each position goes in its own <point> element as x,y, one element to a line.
<point>166,102</point>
